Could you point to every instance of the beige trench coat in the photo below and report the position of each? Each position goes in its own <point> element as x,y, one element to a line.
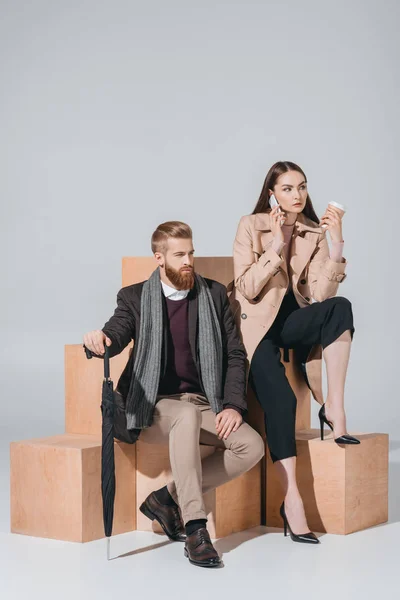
<point>261,279</point>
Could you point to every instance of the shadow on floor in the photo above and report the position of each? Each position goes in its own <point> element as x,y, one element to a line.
<point>142,550</point>
<point>233,541</point>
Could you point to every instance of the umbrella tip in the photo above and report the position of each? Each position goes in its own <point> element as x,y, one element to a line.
<point>108,548</point>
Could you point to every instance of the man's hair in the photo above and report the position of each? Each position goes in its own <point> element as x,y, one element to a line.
<point>170,229</point>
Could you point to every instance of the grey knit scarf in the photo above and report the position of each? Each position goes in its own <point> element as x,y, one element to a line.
<point>145,380</point>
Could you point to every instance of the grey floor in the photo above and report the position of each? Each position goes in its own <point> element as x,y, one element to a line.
<point>257,563</point>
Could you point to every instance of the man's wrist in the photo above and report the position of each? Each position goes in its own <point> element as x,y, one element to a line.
<point>232,406</point>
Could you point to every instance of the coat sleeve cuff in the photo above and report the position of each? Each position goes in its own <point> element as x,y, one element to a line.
<point>109,335</point>
<point>271,259</point>
<point>335,271</point>
<point>241,411</point>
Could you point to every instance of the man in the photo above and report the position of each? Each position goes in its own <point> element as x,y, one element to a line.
<point>184,385</point>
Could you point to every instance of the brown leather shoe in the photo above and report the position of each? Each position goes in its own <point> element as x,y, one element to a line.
<point>168,516</point>
<point>200,551</point>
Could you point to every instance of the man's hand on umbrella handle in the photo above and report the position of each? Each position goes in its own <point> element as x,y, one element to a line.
<point>95,340</point>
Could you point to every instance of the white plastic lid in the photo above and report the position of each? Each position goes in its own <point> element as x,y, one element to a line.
<point>339,206</point>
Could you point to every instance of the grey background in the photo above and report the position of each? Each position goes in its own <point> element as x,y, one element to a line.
<point>116,116</point>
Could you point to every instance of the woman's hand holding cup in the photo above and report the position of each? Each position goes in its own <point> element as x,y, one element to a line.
<point>332,221</point>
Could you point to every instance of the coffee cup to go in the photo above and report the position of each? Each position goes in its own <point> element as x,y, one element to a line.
<point>338,206</point>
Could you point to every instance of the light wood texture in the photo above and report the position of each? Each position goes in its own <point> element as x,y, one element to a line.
<point>237,504</point>
<point>83,385</point>
<point>301,390</point>
<point>56,490</point>
<point>344,488</point>
<point>232,507</point>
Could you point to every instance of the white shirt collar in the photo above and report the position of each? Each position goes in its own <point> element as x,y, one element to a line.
<point>173,294</point>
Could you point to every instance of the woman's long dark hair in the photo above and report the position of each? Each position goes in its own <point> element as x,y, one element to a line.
<point>278,169</point>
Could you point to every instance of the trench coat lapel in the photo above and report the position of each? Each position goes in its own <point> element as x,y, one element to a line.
<point>300,253</point>
<point>303,244</point>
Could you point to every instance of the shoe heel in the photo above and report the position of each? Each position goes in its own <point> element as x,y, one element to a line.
<point>307,538</point>
<point>147,513</point>
<point>321,424</point>
<point>284,519</point>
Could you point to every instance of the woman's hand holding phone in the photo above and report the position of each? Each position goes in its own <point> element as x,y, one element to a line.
<point>277,219</point>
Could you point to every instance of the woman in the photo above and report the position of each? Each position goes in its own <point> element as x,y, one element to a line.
<point>281,262</point>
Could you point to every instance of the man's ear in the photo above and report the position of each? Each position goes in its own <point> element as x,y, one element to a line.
<point>159,258</point>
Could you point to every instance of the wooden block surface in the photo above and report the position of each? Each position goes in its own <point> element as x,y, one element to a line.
<point>301,390</point>
<point>83,385</point>
<point>56,489</point>
<point>238,503</point>
<point>344,488</point>
<point>367,484</point>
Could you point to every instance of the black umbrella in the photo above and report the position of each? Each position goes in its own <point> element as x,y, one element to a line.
<point>107,448</point>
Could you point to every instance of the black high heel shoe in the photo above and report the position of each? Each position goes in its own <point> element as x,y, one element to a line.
<point>303,538</point>
<point>343,439</point>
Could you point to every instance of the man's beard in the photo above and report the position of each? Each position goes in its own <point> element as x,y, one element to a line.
<point>179,279</point>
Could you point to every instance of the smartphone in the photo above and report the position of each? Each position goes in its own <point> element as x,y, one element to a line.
<point>274,202</point>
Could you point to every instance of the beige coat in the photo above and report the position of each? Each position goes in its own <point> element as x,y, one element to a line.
<point>261,279</point>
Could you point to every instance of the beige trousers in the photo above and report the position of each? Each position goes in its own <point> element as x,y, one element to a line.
<point>184,421</point>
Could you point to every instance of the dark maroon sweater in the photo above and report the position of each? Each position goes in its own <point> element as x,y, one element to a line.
<point>181,372</point>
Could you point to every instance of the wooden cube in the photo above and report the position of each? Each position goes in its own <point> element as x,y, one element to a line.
<point>344,488</point>
<point>234,506</point>
<point>83,385</point>
<point>56,490</point>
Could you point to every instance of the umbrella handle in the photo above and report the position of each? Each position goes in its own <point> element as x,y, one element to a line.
<point>106,357</point>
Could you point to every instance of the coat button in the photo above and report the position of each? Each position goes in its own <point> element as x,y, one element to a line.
<point>244,316</point>
<point>303,282</point>
<point>308,299</point>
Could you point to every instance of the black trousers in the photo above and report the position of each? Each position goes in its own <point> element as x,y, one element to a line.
<point>300,329</point>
